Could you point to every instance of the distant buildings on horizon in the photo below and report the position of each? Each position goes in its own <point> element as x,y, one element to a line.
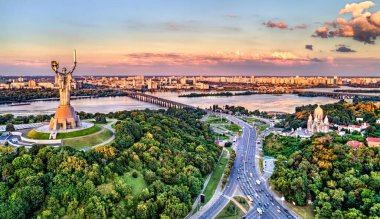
<point>186,82</point>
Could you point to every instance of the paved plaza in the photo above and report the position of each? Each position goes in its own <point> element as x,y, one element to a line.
<point>45,128</point>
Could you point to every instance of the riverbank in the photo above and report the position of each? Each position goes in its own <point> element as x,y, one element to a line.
<point>45,99</point>
<point>220,94</point>
<point>29,95</point>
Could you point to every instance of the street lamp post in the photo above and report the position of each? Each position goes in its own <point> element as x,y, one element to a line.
<point>235,211</point>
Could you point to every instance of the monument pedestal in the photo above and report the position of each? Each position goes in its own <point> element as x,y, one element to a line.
<point>65,118</point>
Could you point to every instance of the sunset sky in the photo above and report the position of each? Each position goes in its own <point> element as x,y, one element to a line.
<point>197,37</point>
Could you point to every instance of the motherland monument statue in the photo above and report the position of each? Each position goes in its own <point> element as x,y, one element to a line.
<point>65,117</point>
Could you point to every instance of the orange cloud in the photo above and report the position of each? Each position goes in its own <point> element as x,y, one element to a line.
<point>363,26</point>
<point>30,63</point>
<point>357,9</point>
<point>178,59</point>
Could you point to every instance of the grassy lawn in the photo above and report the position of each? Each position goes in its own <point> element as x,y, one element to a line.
<point>261,164</point>
<point>217,120</point>
<point>306,212</point>
<point>233,128</point>
<point>137,184</point>
<point>242,201</point>
<point>280,145</point>
<point>229,149</point>
<point>262,127</point>
<point>223,138</point>
<point>41,135</point>
<point>83,132</point>
<point>33,134</point>
<point>231,211</point>
<point>215,177</point>
<point>110,143</point>
<point>88,141</point>
<point>250,120</point>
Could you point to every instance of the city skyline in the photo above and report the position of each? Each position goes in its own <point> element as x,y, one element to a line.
<point>271,38</point>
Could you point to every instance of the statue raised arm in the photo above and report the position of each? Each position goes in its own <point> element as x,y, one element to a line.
<point>75,63</point>
<point>64,80</point>
<point>73,68</point>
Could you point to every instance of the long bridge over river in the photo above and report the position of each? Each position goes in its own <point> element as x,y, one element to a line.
<point>157,100</point>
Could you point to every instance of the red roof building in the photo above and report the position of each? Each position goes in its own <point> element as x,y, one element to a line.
<point>373,142</point>
<point>354,144</point>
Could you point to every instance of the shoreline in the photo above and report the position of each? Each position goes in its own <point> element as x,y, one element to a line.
<point>54,99</point>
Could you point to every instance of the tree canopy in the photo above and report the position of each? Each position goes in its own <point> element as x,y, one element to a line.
<point>340,181</point>
<point>172,150</point>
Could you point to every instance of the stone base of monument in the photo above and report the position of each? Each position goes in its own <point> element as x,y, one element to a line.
<point>64,119</point>
<point>46,128</point>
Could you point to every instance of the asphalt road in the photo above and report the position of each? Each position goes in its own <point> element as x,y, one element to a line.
<point>244,174</point>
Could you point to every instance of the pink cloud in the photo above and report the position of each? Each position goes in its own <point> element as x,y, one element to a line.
<point>178,59</point>
<point>363,26</point>
<point>283,25</point>
<point>301,26</point>
<point>280,25</point>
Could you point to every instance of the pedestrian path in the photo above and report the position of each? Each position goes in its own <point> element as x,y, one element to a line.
<point>109,127</point>
<point>239,205</point>
<point>22,126</point>
<point>215,197</point>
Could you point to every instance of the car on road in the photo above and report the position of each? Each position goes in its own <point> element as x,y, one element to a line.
<point>249,199</point>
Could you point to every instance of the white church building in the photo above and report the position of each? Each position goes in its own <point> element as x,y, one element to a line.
<point>319,123</point>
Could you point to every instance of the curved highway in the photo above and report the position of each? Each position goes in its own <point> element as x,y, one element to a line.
<point>245,174</point>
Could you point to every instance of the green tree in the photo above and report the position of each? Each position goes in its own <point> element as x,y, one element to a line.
<point>142,211</point>
<point>95,208</point>
<point>10,127</point>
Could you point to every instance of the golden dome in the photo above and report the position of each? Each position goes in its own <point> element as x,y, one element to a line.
<point>318,113</point>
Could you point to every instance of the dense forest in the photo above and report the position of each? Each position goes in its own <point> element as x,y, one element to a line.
<point>170,153</point>
<point>338,113</point>
<point>340,181</point>
<point>275,145</point>
<point>18,95</point>
<point>11,119</point>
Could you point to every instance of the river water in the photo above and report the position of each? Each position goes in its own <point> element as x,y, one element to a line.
<point>262,102</point>
<point>266,102</point>
<point>353,89</point>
